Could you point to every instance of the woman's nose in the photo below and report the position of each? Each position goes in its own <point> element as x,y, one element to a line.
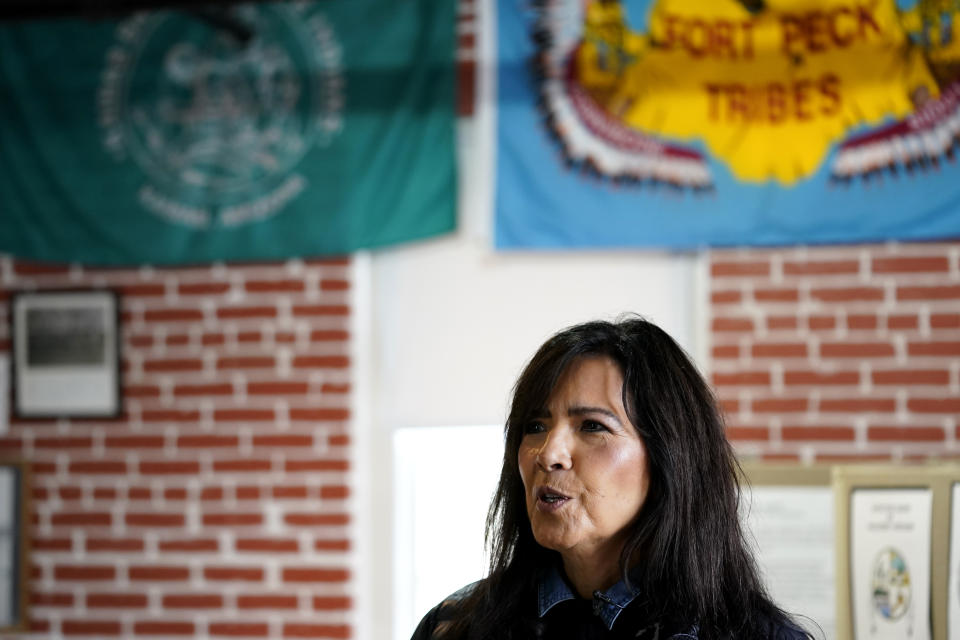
<point>554,455</point>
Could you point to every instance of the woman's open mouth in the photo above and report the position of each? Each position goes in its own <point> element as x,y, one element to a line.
<point>549,499</point>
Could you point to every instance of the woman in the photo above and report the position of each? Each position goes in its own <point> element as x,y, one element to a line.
<point>616,511</point>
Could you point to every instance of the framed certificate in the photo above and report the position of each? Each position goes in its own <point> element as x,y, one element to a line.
<point>65,350</point>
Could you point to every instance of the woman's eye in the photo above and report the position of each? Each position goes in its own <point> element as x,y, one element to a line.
<point>534,427</point>
<point>593,426</point>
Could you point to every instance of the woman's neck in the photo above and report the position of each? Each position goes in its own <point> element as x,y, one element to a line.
<point>591,573</point>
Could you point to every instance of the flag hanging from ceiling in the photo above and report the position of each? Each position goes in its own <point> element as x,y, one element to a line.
<point>686,123</point>
<point>261,131</point>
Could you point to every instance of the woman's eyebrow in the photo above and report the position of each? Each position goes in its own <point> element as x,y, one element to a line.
<point>579,411</point>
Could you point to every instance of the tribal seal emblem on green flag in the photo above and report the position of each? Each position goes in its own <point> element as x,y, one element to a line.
<point>256,131</point>
<point>215,116</point>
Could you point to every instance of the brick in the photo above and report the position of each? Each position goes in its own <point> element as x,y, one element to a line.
<point>851,457</point>
<point>276,388</point>
<point>934,348</point>
<point>173,315</point>
<point>272,545</point>
<point>314,574</point>
<point>338,440</point>
<point>43,468</point>
<point>275,286</point>
<point>777,323</point>
<point>945,320</point>
<point>141,391</point>
<point>203,288</point>
<point>11,445</point>
<point>51,544</point>
<point>171,467</point>
<point>141,341</point>
<point>116,600</point>
<point>319,414</point>
<point>97,628</point>
<point>38,626</point>
<point>244,465</point>
<point>133,442</point>
<point>155,520</point>
<point>115,545</point>
<point>937,292</point>
<point>779,350</point>
<point>862,321</point>
<point>213,339</point>
<point>247,492</point>
<point>171,365</point>
<point>236,313</point>
<point>170,415</point>
<point>51,599</point>
<point>234,629</point>
<point>724,352</point>
<point>726,297</point>
<point>290,492</point>
<point>139,493</point>
<point>330,387</point>
<point>232,519</point>
<point>284,337</point>
<point>334,285</point>
<point>158,573</point>
<point>142,290</point>
<point>817,432</point>
<point>211,493</point>
<point>79,442</point>
<point>934,405</point>
<point>30,268</point>
<point>906,434</point>
<point>248,362</point>
<point>233,574</point>
<point>848,294</point>
<point>283,440</point>
<point>820,267</point>
<point>192,601</point>
<point>267,601</point>
<point>753,268</point>
<point>331,545</point>
<point>857,350</point>
<point>776,295</point>
<point>305,630</point>
<point>70,493</point>
<point>321,362</point>
<point>244,415</point>
<point>316,519</point>
<point>192,545</point>
<point>779,405</point>
<point>98,467</point>
<point>175,493</point>
<point>332,603</point>
<point>857,405</point>
<point>818,378</point>
<point>40,494</point>
<point>732,325</point>
<point>317,465</point>
<point>729,406</point>
<point>81,519</point>
<point>163,628</point>
<point>911,264</point>
<point>742,379</point>
<point>821,323</point>
<point>308,310</point>
<point>904,377</point>
<point>903,321</point>
<point>748,433</point>
<point>84,573</point>
<point>207,441</point>
<point>214,389</point>
<point>334,492</point>
<point>178,340</point>
<point>104,493</point>
<point>249,336</point>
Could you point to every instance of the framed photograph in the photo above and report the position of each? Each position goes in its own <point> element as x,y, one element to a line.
<point>65,350</point>
<point>14,546</point>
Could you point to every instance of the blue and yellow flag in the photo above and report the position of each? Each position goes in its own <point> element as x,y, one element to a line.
<point>262,131</point>
<point>684,123</point>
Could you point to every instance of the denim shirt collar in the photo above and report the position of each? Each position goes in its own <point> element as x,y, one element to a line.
<point>553,588</point>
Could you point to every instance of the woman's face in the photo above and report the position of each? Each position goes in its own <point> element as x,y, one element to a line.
<point>583,464</point>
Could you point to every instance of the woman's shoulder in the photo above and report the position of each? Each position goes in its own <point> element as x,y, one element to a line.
<point>438,618</point>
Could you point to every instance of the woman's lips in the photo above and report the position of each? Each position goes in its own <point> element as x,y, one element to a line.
<point>550,500</point>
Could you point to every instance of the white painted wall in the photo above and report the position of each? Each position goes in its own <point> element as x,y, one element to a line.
<point>451,323</point>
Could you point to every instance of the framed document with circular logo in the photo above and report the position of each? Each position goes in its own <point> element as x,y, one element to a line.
<point>65,354</point>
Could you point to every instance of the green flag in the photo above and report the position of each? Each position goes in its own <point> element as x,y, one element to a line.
<point>261,131</point>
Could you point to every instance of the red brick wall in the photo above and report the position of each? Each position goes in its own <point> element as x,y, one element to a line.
<point>219,505</point>
<point>839,352</point>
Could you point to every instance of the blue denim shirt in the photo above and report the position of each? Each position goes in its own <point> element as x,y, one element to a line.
<point>553,588</point>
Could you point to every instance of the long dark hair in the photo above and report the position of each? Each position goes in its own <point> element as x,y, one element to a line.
<point>697,567</point>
